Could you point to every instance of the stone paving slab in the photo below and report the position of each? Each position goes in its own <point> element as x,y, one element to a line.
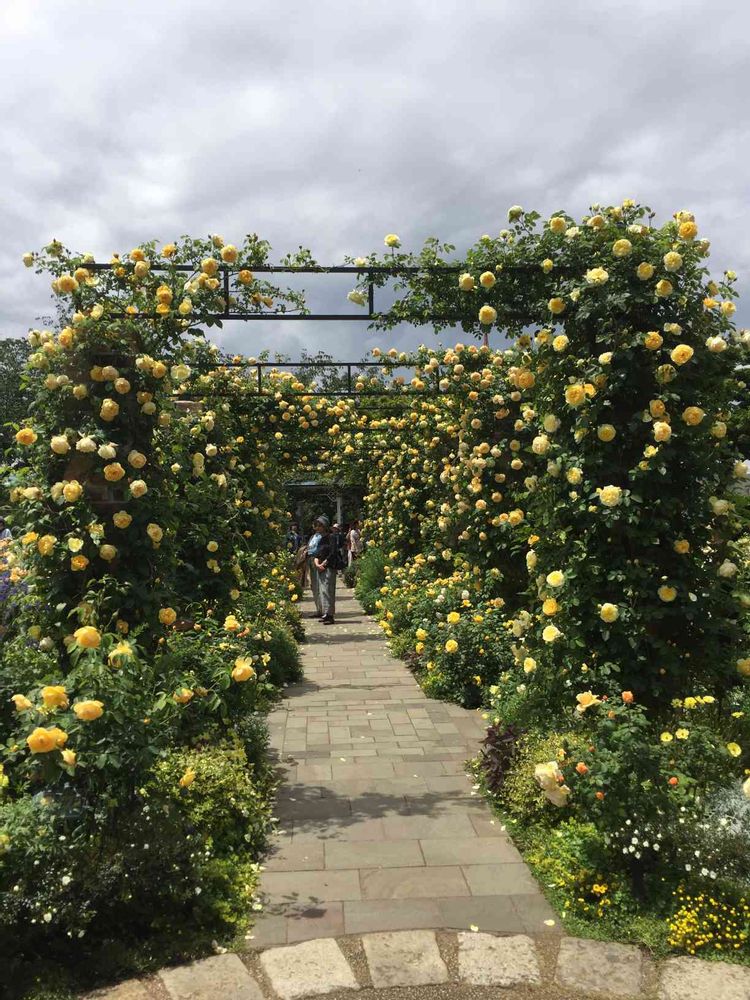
<point>404,958</point>
<point>485,960</point>
<point>614,970</point>
<point>313,968</point>
<point>214,978</point>
<point>694,979</point>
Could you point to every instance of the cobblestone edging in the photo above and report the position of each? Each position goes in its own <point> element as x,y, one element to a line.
<point>445,965</point>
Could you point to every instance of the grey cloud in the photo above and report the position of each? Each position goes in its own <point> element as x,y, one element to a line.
<point>330,124</point>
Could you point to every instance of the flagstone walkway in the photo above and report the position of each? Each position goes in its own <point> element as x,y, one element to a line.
<point>379,826</point>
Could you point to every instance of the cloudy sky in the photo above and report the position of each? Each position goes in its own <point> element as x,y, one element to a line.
<point>329,123</point>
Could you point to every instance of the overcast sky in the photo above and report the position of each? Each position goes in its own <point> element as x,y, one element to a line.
<point>329,123</point>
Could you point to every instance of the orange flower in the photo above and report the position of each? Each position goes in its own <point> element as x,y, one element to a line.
<point>627,697</point>
<point>581,768</point>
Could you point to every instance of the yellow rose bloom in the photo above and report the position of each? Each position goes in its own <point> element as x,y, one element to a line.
<point>653,340</point>
<point>87,637</point>
<point>109,410</point>
<point>529,665</point>
<point>113,472</point>
<point>550,633</point>
<point>72,490</point>
<point>119,653</point>
<point>54,696</point>
<point>45,740</point>
<point>734,749</point>
<point>487,315</point>
<point>26,436</point>
<point>229,254</point>
<point>645,271</point>
<point>610,496</point>
<point>547,265</point>
<point>558,224</point>
<point>22,703</point>
<point>155,533</point>
<point>487,279</point>
<point>78,563</point>
<point>662,431</point>
<point>87,711</point>
<point>451,646</point>
<point>606,432</point>
<point>188,778</point>
<point>682,734</point>
<point>586,700</point>
<point>657,408</point>
<point>667,594</point>
<point>59,444</point>
<point>575,394</point>
<point>243,669</point>
<point>122,519</point>
<point>687,231</point>
<point>597,276</point>
<point>719,429</point>
<point>108,552</point>
<point>559,343</point>
<point>136,459</point>
<point>664,288</point>
<point>681,546</point>
<point>392,240</point>
<point>183,696</point>
<point>609,612</point>
<point>550,607</point>
<point>167,616</point>
<point>453,617</point>
<point>672,261</point>
<point>556,578</point>
<point>556,305</point>
<point>666,737</point>
<point>621,248</point>
<point>138,488</point>
<point>46,544</point>
<point>682,354</point>
<point>743,668</point>
<point>693,415</point>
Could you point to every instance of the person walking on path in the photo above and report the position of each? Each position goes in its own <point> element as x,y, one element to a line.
<point>319,524</point>
<point>354,542</point>
<point>325,565</point>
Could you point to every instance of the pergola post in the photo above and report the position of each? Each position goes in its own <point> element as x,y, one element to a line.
<point>339,509</point>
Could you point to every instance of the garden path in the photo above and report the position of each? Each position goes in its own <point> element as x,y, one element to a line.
<point>379,826</point>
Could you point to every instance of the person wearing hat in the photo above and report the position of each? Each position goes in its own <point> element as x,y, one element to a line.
<point>324,565</point>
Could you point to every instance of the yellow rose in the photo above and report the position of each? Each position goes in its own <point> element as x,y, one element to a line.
<point>556,305</point>
<point>70,757</point>
<point>118,653</point>
<point>574,476</point>
<point>547,265</point>
<point>664,288</point>
<point>606,432</point>
<point>672,261</point>
<point>243,669</point>
<point>78,563</point>
<point>645,271</point>
<point>54,696</point>
<point>22,703</point>
<point>550,633</point>
<point>72,490</point>
<point>597,276</point>
<point>666,594</point>
<point>108,552</point>
<point>87,637</point>
<point>212,546</point>
<point>662,431</point>
<point>451,646</point>
<point>453,617</point>
<point>210,266</point>
<point>609,612</point>
<point>137,459</point>
<point>586,700</point>
<point>560,343</point>
<point>610,496</point>
<point>122,519</point>
<point>188,778</point>
<point>46,544</point>
<point>693,415</point>
<point>392,240</point>
<point>109,410</point>
<point>734,749</point>
<point>183,696</point>
<point>743,668</point>
<point>687,231</point>
<point>184,309</point>
<point>26,436</point>
<point>653,340</point>
<point>487,279</point>
<point>558,224</point>
<point>621,248</point>
<point>45,740</point>
<point>529,665</point>
<point>113,472</point>
<point>60,444</point>
<point>550,607</point>
<point>487,315</point>
<point>728,308</point>
<point>138,488</point>
<point>155,533</point>
<point>87,711</point>
<point>229,254</point>
<point>245,277</point>
<point>167,616</point>
<point>682,354</point>
<point>575,394</point>
<point>657,408</point>
<point>681,546</point>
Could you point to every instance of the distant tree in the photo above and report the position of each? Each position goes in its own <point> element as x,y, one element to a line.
<point>14,400</point>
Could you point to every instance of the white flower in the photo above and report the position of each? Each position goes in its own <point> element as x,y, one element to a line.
<point>357,297</point>
<point>727,569</point>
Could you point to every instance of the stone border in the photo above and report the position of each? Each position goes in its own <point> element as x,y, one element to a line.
<point>450,962</point>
